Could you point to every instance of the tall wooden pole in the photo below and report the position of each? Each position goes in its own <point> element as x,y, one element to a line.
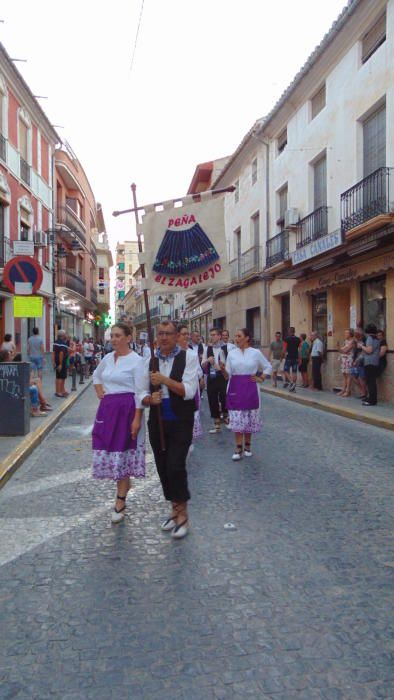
<point>155,362</point>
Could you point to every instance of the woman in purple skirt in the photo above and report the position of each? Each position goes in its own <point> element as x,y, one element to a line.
<point>245,367</point>
<point>118,432</point>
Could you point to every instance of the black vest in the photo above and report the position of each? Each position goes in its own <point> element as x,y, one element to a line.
<point>210,353</point>
<point>183,408</point>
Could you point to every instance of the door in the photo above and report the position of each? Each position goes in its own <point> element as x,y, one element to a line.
<point>253,324</point>
<point>319,315</point>
<point>285,314</point>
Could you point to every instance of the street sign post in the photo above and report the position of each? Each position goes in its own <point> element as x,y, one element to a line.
<point>22,269</point>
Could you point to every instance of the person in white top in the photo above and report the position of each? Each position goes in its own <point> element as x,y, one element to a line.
<point>226,340</point>
<point>170,385</point>
<point>245,368</point>
<point>317,359</point>
<point>213,362</point>
<point>184,343</point>
<point>118,432</point>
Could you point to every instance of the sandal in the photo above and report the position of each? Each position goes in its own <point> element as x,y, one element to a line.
<point>118,515</point>
<point>237,454</point>
<point>216,427</point>
<point>181,529</point>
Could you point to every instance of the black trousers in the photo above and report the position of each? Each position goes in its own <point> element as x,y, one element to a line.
<point>171,464</point>
<point>216,390</point>
<point>316,372</point>
<point>371,372</point>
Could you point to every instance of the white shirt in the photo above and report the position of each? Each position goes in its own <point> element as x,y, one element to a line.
<point>145,352</point>
<point>87,349</point>
<point>120,377</point>
<point>189,378</point>
<point>218,355</point>
<point>230,346</point>
<point>249,362</point>
<point>317,347</point>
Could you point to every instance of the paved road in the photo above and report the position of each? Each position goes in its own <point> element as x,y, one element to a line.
<point>294,604</point>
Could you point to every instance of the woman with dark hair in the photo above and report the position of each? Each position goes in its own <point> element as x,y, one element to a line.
<point>371,355</point>
<point>245,366</point>
<point>118,432</point>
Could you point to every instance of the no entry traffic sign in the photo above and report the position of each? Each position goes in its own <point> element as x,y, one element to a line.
<point>22,268</point>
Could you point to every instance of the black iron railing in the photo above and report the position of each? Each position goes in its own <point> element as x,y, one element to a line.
<point>277,249</point>
<point>5,250</point>
<point>246,264</point>
<point>366,199</point>
<point>67,217</point>
<point>312,227</point>
<point>25,171</point>
<point>71,280</point>
<point>3,147</point>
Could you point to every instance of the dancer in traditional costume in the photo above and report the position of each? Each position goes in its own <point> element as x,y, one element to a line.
<point>184,343</point>
<point>118,432</point>
<point>173,388</point>
<point>245,368</point>
<point>213,361</point>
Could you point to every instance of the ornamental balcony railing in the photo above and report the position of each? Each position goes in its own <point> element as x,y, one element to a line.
<point>5,250</point>
<point>67,217</point>
<point>312,227</point>
<point>277,249</point>
<point>25,171</point>
<point>368,198</point>
<point>71,280</point>
<point>3,147</point>
<point>246,264</point>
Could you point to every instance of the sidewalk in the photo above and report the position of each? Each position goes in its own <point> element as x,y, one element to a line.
<point>15,449</point>
<point>381,415</point>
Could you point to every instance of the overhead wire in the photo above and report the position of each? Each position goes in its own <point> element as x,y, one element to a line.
<point>136,36</point>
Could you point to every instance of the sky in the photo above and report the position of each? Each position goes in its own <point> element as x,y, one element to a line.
<point>202,73</point>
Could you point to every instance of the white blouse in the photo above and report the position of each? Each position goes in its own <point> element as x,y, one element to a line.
<point>249,361</point>
<point>123,376</point>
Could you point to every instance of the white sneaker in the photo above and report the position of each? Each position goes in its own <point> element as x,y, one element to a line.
<point>236,457</point>
<point>248,453</point>
<point>168,525</point>
<point>118,517</point>
<point>180,531</point>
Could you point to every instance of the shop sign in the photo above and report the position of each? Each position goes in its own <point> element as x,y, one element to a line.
<point>322,245</point>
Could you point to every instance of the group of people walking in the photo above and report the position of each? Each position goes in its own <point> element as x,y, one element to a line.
<point>170,383</point>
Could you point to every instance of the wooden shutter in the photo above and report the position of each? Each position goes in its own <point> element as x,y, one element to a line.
<point>374,133</point>
<point>320,183</point>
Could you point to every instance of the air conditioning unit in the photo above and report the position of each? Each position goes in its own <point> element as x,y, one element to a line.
<point>40,239</point>
<point>291,217</point>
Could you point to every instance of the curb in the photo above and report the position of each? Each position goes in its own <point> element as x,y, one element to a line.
<point>377,421</point>
<point>31,441</point>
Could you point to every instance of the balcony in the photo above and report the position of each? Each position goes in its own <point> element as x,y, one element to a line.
<point>246,264</point>
<point>71,280</point>
<point>3,147</point>
<point>67,217</point>
<point>368,199</point>
<point>93,295</point>
<point>277,249</point>
<point>5,250</point>
<point>154,313</point>
<point>25,171</point>
<point>312,227</point>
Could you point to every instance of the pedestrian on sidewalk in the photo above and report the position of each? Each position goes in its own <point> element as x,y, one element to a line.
<point>215,355</point>
<point>118,436</point>
<point>346,359</point>
<point>371,356</point>
<point>8,345</point>
<point>35,351</point>
<point>245,368</point>
<point>183,341</point>
<point>276,356</point>
<point>304,352</point>
<point>357,369</point>
<point>172,387</point>
<point>381,336</point>
<point>59,360</point>
<point>317,360</point>
<point>291,346</point>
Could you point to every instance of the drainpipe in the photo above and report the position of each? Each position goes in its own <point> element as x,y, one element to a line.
<point>266,285</point>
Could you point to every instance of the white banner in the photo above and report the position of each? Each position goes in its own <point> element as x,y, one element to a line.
<point>186,246</point>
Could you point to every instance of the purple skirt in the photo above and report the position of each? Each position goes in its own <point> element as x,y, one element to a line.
<point>242,393</point>
<point>115,455</point>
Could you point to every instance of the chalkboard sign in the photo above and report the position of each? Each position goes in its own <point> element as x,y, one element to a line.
<point>14,398</point>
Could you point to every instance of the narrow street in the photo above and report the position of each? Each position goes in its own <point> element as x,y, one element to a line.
<point>292,603</point>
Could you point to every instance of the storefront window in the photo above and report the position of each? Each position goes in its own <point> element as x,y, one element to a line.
<point>319,314</point>
<point>373,300</point>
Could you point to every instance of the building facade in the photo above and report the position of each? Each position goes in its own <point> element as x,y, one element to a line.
<point>126,266</point>
<point>27,143</point>
<point>102,275</point>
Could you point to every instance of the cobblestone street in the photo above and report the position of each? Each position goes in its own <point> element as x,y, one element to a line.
<point>293,603</point>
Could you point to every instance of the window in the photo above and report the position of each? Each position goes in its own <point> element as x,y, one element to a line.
<point>318,102</point>
<point>373,300</point>
<point>75,205</point>
<point>23,140</point>
<point>24,232</point>
<point>374,38</point>
<point>236,192</point>
<point>255,231</point>
<point>254,171</point>
<point>320,183</point>
<point>101,273</point>
<point>253,324</point>
<point>374,141</point>
<point>101,291</point>
<point>282,205</point>
<point>237,252</point>
<point>281,141</point>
